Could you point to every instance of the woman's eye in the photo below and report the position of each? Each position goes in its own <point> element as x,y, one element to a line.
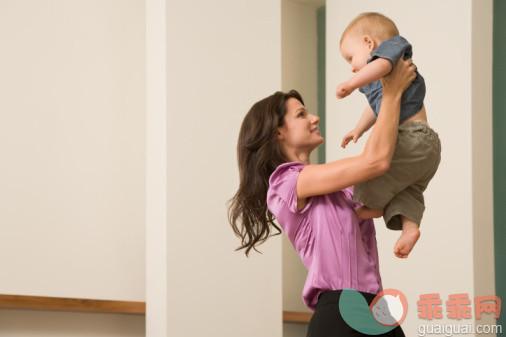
<point>301,114</point>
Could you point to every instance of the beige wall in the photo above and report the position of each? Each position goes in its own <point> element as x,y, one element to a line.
<point>74,150</point>
<point>299,72</point>
<point>446,258</point>
<point>482,158</point>
<point>73,160</point>
<point>299,52</point>
<point>221,57</point>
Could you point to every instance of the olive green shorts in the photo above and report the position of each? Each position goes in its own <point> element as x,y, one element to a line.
<point>400,190</point>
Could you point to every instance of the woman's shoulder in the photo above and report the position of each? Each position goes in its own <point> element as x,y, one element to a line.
<point>283,187</point>
<point>284,170</point>
<point>284,177</point>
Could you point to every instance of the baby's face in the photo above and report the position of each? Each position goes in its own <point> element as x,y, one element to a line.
<point>355,52</point>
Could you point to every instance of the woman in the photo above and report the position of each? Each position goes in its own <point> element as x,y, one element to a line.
<point>313,203</point>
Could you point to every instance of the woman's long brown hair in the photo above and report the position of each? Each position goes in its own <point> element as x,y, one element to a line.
<point>258,156</point>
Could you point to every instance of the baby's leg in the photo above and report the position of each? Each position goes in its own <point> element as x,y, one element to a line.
<point>410,235</point>
<point>374,195</point>
<point>406,168</point>
<point>364,212</point>
<point>405,212</point>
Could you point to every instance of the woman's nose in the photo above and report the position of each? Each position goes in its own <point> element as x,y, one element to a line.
<point>316,119</point>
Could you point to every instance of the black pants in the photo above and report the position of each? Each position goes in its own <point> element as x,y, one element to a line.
<point>327,320</point>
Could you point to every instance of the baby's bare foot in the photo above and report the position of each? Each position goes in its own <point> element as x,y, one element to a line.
<point>364,212</point>
<point>406,242</point>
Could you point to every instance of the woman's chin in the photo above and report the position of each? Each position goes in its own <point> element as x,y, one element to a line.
<point>318,144</point>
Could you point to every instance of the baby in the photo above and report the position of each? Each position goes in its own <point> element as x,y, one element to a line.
<point>372,45</point>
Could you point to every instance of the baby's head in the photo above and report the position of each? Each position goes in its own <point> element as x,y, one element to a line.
<point>363,35</point>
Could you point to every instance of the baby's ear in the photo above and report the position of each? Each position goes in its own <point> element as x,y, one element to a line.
<point>369,41</point>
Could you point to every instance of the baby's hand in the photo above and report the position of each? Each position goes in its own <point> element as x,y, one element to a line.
<point>343,90</point>
<point>353,134</point>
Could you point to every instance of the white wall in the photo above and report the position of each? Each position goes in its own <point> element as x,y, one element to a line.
<point>72,176</point>
<point>441,34</point>
<point>221,58</point>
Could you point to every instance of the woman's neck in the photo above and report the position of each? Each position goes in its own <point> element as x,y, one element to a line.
<point>302,157</point>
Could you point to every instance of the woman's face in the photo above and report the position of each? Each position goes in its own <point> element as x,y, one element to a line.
<point>300,131</point>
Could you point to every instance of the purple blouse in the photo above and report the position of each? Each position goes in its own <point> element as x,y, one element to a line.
<point>337,248</point>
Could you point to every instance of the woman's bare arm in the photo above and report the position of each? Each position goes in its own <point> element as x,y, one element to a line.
<point>379,149</point>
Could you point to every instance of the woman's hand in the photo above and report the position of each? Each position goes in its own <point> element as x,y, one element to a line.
<point>399,78</point>
<point>378,151</point>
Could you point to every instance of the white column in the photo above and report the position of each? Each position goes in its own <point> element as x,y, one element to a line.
<point>482,156</point>
<point>156,170</point>
<point>219,57</point>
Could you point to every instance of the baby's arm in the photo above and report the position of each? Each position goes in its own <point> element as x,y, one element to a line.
<point>366,121</point>
<point>368,74</point>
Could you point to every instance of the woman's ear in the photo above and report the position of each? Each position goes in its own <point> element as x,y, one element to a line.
<point>279,134</point>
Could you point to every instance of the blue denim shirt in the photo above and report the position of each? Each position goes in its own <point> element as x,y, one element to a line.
<point>412,99</point>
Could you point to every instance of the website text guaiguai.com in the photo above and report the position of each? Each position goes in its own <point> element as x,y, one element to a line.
<point>457,329</point>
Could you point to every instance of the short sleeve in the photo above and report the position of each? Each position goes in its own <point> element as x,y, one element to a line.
<point>392,50</point>
<point>282,192</point>
<point>348,194</point>
<point>361,89</point>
